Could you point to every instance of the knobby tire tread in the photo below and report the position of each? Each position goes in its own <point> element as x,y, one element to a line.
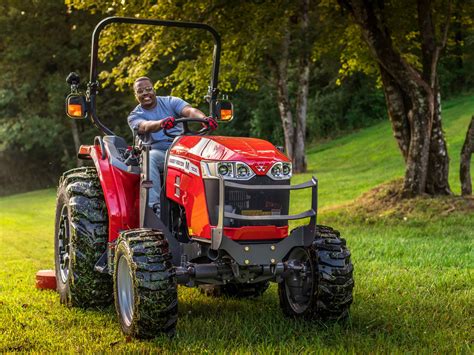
<point>80,188</point>
<point>333,274</point>
<point>155,285</point>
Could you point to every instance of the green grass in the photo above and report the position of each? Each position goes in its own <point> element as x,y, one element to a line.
<point>414,275</point>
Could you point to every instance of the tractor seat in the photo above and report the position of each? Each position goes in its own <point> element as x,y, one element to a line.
<point>117,149</point>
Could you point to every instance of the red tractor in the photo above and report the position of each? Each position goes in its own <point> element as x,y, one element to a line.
<point>223,226</point>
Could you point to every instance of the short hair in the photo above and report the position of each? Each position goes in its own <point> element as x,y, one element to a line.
<point>142,78</point>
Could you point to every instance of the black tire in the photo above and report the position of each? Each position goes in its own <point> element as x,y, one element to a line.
<point>328,292</point>
<point>236,290</point>
<point>81,234</point>
<point>145,286</point>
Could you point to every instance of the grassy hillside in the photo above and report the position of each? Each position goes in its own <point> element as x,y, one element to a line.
<point>355,163</point>
<point>414,271</point>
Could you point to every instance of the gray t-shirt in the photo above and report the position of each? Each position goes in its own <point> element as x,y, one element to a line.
<point>166,106</point>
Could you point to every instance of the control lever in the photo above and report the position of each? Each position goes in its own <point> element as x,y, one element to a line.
<point>133,153</point>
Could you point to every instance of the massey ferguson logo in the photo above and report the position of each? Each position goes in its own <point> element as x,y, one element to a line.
<point>260,167</point>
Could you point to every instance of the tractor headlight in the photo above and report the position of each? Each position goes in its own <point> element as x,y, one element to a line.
<point>233,170</point>
<point>225,169</point>
<point>287,169</point>
<point>277,170</point>
<point>243,171</point>
<point>280,171</point>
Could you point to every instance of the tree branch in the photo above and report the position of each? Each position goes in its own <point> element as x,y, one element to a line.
<point>440,47</point>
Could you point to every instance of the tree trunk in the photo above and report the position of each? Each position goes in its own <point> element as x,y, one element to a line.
<point>438,164</point>
<point>281,77</point>
<point>397,110</point>
<point>299,160</point>
<point>418,152</point>
<point>412,96</point>
<point>466,153</point>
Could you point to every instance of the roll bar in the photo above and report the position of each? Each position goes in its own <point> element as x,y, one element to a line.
<point>93,85</point>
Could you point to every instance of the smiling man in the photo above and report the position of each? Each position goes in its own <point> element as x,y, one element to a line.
<point>152,115</point>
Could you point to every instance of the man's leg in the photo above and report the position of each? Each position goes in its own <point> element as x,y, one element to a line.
<point>157,161</point>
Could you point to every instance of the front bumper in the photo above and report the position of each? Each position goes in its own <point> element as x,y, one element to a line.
<point>266,252</point>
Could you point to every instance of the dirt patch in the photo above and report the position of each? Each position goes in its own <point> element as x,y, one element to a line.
<point>386,200</point>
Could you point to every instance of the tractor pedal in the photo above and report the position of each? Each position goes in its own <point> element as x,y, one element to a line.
<point>101,264</point>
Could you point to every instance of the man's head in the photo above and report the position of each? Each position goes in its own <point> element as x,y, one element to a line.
<point>144,93</point>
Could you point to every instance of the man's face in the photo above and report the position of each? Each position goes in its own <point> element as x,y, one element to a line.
<point>145,94</point>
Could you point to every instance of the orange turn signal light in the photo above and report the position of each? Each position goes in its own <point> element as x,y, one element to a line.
<point>74,110</point>
<point>226,115</point>
<point>76,106</point>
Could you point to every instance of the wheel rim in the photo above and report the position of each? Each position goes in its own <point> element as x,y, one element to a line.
<point>299,286</point>
<point>64,245</point>
<point>125,291</point>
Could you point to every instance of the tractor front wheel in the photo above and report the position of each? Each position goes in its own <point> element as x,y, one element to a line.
<point>145,286</point>
<point>323,288</point>
<point>81,233</point>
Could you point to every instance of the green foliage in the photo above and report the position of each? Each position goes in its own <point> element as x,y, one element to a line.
<point>37,53</point>
<point>33,69</point>
<point>186,55</point>
<point>353,104</point>
<point>333,109</point>
<point>456,62</point>
<point>456,69</point>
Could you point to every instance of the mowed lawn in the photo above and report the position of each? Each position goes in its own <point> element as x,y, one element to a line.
<point>414,275</point>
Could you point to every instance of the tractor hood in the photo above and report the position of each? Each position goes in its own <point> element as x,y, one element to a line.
<point>252,151</point>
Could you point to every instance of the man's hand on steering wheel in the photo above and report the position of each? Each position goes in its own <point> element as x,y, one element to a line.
<point>212,123</point>
<point>168,122</point>
<point>208,124</point>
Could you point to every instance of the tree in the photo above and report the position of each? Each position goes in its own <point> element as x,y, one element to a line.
<point>37,53</point>
<point>410,81</point>
<point>268,43</point>
<point>466,153</point>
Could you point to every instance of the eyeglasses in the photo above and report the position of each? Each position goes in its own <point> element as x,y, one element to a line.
<point>148,89</point>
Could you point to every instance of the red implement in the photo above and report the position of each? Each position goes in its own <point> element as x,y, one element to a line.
<point>46,279</point>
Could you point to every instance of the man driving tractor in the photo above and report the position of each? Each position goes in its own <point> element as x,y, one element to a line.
<point>152,115</point>
<point>225,229</point>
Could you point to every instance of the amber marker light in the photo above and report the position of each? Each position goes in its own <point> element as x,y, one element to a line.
<point>74,110</point>
<point>226,115</point>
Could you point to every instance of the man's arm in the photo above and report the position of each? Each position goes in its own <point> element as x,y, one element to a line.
<point>189,111</point>
<point>149,126</point>
<point>155,126</point>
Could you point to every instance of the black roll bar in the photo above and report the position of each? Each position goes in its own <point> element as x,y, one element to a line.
<point>93,83</point>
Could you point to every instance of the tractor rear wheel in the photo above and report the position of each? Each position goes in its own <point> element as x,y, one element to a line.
<point>324,290</point>
<point>145,287</point>
<point>236,290</point>
<point>81,234</point>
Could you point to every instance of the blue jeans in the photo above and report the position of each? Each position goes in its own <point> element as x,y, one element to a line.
<point>157,163</point>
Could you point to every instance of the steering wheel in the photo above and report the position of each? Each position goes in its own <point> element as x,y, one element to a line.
<point>186,130</point>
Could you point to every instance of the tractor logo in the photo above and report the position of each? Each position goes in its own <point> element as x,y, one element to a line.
<point>260,167</point>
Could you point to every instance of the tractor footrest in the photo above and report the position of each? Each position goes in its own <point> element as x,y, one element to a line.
<point>101,264</point>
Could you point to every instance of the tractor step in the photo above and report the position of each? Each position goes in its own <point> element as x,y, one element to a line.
<point>101,264</point>
<point>46,279</point>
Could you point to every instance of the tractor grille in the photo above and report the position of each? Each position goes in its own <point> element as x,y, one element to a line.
<point>248,202</point>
